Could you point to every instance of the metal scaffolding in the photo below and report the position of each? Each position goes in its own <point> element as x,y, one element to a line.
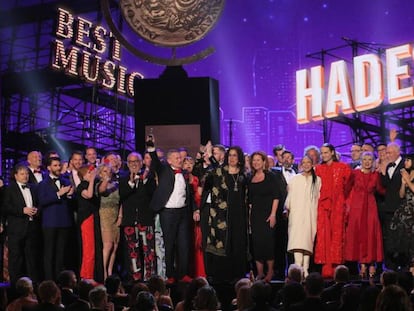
<point>370,126</point>
<point>43,109</point>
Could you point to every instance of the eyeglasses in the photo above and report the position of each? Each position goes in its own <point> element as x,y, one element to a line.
<point>133,161</point>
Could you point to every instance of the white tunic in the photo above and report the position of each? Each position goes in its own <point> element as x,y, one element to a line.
<point>302,204</point>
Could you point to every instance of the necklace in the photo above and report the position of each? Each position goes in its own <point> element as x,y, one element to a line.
<point>235,189</point>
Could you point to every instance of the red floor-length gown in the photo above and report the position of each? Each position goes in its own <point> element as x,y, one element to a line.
<point>363,236</point>
<point>199,269</point>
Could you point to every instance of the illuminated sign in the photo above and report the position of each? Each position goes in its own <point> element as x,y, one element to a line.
<point>368,91</point>
<point>91,53</point>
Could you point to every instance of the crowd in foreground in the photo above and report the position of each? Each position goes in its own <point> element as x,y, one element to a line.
<point>395,292</point>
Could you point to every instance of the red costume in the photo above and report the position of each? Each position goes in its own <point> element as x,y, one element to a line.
<point>331,211</point>
<point>363,236</point>
<point>198,248</point>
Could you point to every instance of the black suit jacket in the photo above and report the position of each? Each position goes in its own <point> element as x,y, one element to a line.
<point>282,186</point>
<point>68,297</point>
<point>135,201</point>
<point>18,222</point>
<point>166,180</point>
<point>32,178</point>
<point>392,186</point>
<point>332,293</point>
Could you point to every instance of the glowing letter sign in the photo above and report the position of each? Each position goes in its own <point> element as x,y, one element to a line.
<point>95,55</point>
<point>368,85</point>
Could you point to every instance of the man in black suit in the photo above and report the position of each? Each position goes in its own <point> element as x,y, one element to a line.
<point>391,180</point>
<point>23,229</point>
<point>67,282</point>
<point>314,285</point>
<point>283,174</point>
<point>332,294</point>
<point>82,303</point>
<point>34,163</point>
<point>175,203</point>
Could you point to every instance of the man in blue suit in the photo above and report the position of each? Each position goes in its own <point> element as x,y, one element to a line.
<point>54,193</point>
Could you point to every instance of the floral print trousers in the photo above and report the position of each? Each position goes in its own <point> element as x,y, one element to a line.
<point>140,241</point>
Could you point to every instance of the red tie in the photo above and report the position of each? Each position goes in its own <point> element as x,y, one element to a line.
<point>178,171</point>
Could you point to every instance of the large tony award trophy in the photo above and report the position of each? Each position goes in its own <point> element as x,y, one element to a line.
<point>176,109</point>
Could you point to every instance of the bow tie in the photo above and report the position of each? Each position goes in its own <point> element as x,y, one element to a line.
<point>37,171</point>
<point>139,176</point>
<point>25,186</point>
<point>55,179</point>
<point>178,171</point>
<point>392,164</point>
<point>288,170</point>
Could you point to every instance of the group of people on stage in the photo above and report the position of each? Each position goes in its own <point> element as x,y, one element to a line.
<point>220,214</point>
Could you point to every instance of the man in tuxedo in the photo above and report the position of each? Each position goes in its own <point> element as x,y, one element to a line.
<point>23,230</point>
<point>34,161</point>
<point>137,219</point>
<point>175,203</point>
<point>356,152</point>
<point>283,174</point>
<point>54,194</point>
<point>391,180</point>
<point>277,152</point>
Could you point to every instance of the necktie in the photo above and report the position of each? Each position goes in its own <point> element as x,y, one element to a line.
<point>288,170</point>
<point>178,171</point>
<point>392,164</point>
<point>37,171</point>
<point>55,179</point>
<point>25,186</point>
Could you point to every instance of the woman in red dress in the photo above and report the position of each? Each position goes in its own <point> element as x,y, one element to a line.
<point>188,165</point>
<point>331,210</point>
<point>363,236</point>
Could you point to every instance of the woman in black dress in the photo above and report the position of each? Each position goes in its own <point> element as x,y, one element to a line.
<point>225,233</point>
<point>402,223</point>
<point>263,201</point>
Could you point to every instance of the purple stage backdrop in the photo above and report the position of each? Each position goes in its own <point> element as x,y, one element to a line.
<point>260,44</point>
